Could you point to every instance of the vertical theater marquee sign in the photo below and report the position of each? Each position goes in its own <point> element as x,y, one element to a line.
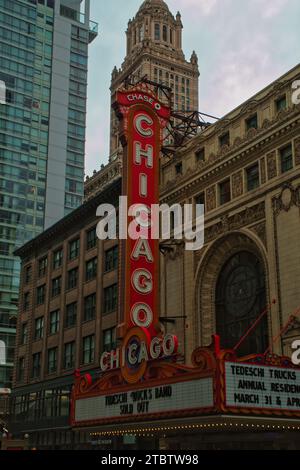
<point>141,379</point>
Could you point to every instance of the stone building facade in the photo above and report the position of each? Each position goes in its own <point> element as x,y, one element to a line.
<point>245,169</point>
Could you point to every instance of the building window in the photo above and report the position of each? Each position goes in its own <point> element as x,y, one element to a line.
<point>281,103</point>
<point>111,259</point>
<point>252,177</point>
<point>56,286</point>
<point>171,35</point>
<point>40,294</point>
<point>240,299</point>
<point>224,191</point>
<point>91,269</point>
<point>57,258</point>
<point>26,301</point>
<point>74,249</point>
<point>52,360</point>
<point>21,369</point>
<point>69,355</point>
<point>43,263</point>
<point>109,339</point>
<point>200,200</point>
<point>165,33</point>
<point>88,349</point>
<point>251,122</point>
<point>72,278</point>
<point>36,365</point>
<point>90,307</point>
<point>178,169</point>
<point>39,328</point>
<point>91,239</point>
<point>24,333</point>
<point>110,298</point>
<point>71,313</point>
<point>54,322</point>
<point>224,140</point>
<point>157,32</point>
<point>28,274</point>
<point>286,158</point>
<point>200,155</point>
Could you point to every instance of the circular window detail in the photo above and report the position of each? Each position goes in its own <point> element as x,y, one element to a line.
<point>240,298</point>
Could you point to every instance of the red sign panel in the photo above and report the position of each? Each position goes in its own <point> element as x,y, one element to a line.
<point>143,119</point>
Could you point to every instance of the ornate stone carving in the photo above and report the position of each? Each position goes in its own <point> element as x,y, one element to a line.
<point>242,219</point>
<point>297,151</point>
<point>272,165</point>
<point>262,170</point>
<point>237,141</point>
<point>251,133</point>
<point>211,201</point>
<point>237,184</point>
<point>260,231</point>
<point>288,197</point>
<point>266,124</point>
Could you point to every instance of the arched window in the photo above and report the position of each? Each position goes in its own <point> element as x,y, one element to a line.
<point>157,32</point>
<point>165,33</point>
<point>240,298</point>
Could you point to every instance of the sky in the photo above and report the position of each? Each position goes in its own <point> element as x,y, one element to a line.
<point>242,46</point>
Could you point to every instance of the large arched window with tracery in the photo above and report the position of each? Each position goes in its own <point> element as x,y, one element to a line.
<point>240,298</point>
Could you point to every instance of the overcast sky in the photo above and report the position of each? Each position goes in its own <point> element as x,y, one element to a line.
<point>242,46</point>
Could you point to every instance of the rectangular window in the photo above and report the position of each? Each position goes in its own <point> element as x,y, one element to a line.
<point>91,239</point>
<point>24,333</point>
<point>28,274</point>
<point>111,259</point>
<point>200,155</point>
<point>39,328</point>
<point>178,169</point>
<point>57,258</point>
<point>224,191</point>
<point>286,158</point>
<point>251,122</point>
<point>26,301</point>
<point>54,322</point>
<point>43,266</point>
<point>90,307</point>
<point>281,103</point>
<point>74,249</point>
<point>91,269</point>
<point>56,286</point>
<point>224,140</point>
<point>110,298</point>
<point>200,199</point>
<point>40,294</point>
<point>21,369</point>
<point>71,313</point>
<point>252,177</point>
<point>69,355</point>
<point>88,349</point>
<point>109,339</point>
<point>36,365</point>
<point>72,278</point>
<point>157,32</point>
<point>52,360</point>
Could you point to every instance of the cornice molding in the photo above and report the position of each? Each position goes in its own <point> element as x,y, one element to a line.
<point>216,162</point>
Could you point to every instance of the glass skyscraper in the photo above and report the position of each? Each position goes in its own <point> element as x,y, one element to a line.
<point>43,65</point>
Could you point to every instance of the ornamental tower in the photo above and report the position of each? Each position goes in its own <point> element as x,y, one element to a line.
<point>154,49</point>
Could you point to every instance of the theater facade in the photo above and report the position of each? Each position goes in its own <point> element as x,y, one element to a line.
<point>229,311</point>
